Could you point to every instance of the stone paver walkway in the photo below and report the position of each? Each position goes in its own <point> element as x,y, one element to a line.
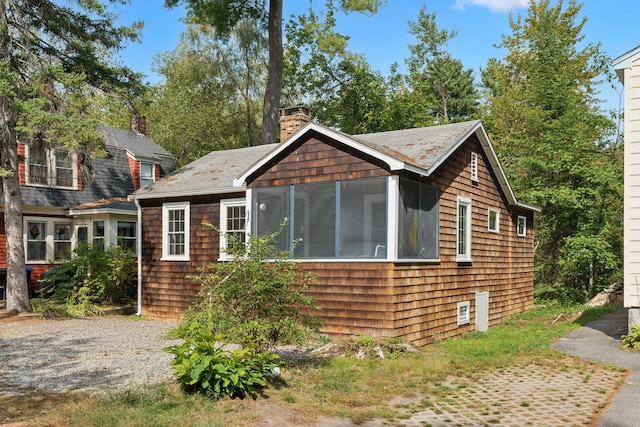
<point>524,395</point>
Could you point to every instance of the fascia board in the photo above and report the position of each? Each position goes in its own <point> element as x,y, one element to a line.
<point>83,212</point>
<point>178,194</point>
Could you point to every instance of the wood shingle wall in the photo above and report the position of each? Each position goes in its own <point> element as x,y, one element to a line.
<point>415,301</point>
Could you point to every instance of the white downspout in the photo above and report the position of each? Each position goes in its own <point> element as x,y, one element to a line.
<point>139,250</point>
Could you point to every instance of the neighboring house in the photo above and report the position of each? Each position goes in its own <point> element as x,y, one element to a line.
<point>627,67</point>
<point>67,197</point>
<point>414,234</point>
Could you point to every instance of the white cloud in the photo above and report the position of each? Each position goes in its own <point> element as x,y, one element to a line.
<point>493,5</point>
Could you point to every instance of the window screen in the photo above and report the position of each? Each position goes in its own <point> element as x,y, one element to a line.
<point>418,221</point>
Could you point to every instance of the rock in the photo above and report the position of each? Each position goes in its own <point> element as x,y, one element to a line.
<point>614,294</point>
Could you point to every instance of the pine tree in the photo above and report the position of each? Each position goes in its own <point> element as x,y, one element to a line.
<point>48,54</point>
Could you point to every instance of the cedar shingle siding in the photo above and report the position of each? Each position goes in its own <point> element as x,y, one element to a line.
<point>414,301</point>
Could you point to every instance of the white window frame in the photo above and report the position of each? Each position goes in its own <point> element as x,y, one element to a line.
<point>56,240</point>
<point>147,181</point>
<point>464,314</point>
<point>464,256</point>
<point>135,233</point>
<point>94,238</point>
<point>52,168</point>
<point>523,220</point>
<point>474,166</point>
<point>49,238</point>
<point>224,205</point>
<point>166,208</point>
<point>496,229</point>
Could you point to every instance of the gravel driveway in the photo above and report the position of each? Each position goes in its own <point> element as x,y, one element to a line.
<point>99,354</point>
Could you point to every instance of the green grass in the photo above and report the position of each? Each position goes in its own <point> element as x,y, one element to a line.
<point>360,390</point>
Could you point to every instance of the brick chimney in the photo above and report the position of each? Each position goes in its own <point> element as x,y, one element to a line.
<point>139,124</point>
<point>292,119</point>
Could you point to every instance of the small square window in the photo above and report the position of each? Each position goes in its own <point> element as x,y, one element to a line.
<point>522,225</point>
<point>493,220</point>
<point>463,313</point>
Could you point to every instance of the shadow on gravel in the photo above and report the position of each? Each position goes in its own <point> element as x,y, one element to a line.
<point>51,363</point>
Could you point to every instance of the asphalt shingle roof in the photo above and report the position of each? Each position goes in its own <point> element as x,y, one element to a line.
<point>112,177</point>
<point>213,173</point>
<point>421,150</point>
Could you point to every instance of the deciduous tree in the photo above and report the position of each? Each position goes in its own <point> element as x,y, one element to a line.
<point>224,15</point>
<point>211,97</point>
<point>555,143</point>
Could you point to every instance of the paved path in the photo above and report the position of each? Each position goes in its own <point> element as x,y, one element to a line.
<point>599,341</point>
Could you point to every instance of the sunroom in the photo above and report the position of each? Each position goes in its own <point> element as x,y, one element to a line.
<point>382,218</point>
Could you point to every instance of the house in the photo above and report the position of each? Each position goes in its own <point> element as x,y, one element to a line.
<point>627,67</point>
<point>68,197</point>
<point>414,234</point>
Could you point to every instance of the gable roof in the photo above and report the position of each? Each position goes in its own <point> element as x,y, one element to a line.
<point>624,61</point>
<point>420,150</point>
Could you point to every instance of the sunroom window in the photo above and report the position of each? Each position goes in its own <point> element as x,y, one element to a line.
<point>343,219</point>
<point>349,219</point>
<point>418,221</point>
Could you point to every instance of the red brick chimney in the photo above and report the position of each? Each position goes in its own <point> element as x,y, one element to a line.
<point>139,124</point>
<point>292,119</point>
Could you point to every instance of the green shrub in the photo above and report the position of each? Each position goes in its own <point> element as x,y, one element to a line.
<point>93,275</point>
<point>204,365</point>
<point>254,299</point>
<point>632,340</point>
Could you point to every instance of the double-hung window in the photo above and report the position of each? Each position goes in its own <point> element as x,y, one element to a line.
<point>98,233</point>
<point>522,226</point>
<point>147,173</point>
<point>233,224</point>
<point>37,166</point>
<point>463,241</point>
<point>62,241</point>
<point>127,234</point>
<point>36,241</point>
<point>64,168</point>
<point>47,240</point>
<point>175,231</point>
<point>50,167</point>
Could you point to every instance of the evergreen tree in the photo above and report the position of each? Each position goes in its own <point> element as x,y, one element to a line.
<point>444,90</point>
<point>48,53</point>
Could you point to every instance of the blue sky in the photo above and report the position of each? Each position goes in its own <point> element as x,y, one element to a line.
<point>383,38</point>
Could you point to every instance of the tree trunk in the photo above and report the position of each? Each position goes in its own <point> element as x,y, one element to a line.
<point>17,288</point>
<point>17,291</point>
<point>274,81</point>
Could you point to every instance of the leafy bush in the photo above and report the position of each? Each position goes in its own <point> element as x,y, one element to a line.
<point>204,365</point>
<point>253,299</point>
<point>632,340</point>
<point>93,275</point>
